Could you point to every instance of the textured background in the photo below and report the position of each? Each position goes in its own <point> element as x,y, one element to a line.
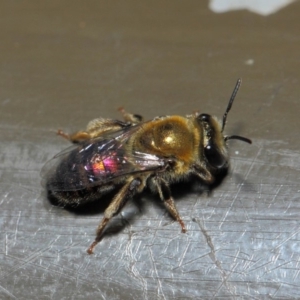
<point>63,64</point>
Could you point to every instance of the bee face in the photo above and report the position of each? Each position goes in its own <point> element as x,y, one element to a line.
<point>214,146</point>
<point>129,156</point>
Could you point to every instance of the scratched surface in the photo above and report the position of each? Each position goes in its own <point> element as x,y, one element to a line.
<point>63,65</point>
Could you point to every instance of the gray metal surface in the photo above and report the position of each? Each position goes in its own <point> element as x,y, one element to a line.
<point>62,65</point>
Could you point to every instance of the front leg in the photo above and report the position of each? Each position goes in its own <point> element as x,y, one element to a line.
<point>202,173</point>
<point>126,192</point>
<point>165,195</point>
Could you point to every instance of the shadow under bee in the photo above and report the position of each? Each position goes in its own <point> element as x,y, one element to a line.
<point>179,191</point>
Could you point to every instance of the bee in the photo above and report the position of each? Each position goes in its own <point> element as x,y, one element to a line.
<point>128,156</point>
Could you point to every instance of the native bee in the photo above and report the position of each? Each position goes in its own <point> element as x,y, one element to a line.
<point>132,154</point>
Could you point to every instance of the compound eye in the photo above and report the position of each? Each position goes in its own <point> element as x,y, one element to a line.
<point>214,157</point>
<point>204,117</point>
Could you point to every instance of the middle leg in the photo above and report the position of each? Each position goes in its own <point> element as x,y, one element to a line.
<point>126,192</point>
<point>165,195</point>
<point>131,118</point>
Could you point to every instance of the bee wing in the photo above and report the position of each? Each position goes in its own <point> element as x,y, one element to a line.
<point>97,161</point>
<point>49,168</point>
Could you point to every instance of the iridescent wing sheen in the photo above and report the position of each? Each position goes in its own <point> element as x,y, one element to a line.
<point>97,161</point>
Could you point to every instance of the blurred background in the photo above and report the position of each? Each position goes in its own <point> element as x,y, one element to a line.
<point>64,63</point>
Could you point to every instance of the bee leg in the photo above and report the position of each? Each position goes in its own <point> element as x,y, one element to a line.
<point>128,117</point>
<point>120,199</point>
<point>98,126</point>
<point>75,137</point>
<point>203,174</point>
<point>94,129</point>
<point>165,195</point>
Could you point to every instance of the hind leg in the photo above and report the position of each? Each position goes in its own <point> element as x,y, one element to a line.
<point>94,129</point>
<point>97,127</point>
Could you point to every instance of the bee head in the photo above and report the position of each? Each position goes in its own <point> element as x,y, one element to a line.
<point>215,150</point>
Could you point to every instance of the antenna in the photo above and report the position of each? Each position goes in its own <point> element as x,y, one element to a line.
<point>233,137</point>
<point>237,86</point>
<point>237,137</point>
